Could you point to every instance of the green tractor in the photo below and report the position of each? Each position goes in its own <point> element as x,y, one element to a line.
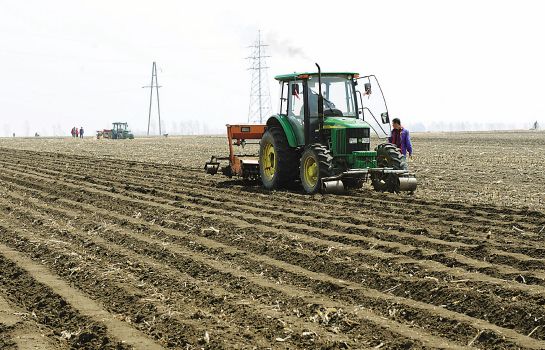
<point>118,131</point>
<point>319,139</point>
<point>121,131</point>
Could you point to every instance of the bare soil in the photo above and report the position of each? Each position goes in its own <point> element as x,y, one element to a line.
<point>171,257</point>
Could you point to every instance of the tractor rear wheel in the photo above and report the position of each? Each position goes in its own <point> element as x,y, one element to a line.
<point>277,161</point>
<point>388,156</point>
<point>316,164</point>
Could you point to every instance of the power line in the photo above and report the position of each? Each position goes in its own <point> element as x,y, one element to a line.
<point>260,97</point>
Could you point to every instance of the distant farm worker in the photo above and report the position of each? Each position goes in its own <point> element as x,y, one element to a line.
<point>73,131</point>
<point>77,132</point>
<point>400,137</point>
<point>81,132</point>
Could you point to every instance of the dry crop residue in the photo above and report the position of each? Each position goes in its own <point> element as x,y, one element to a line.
<point>171,257</point>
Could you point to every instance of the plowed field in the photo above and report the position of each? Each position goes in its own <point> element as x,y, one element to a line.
<point>128,244</point>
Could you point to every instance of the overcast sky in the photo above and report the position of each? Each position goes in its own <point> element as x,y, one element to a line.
<point>83,63</point>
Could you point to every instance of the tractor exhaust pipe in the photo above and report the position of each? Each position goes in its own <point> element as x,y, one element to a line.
<point>333,187</point>
<point>320,105</point>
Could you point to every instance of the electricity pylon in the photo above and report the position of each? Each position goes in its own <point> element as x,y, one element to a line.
<point>260,96</point>
<point>154,84</point>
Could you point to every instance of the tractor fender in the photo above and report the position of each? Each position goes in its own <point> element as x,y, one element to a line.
<point>283,121</point>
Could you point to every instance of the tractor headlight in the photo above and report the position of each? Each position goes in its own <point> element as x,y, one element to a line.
<point>365,140</point>
<point>352,140</point>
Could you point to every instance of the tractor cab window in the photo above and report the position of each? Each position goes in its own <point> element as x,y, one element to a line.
<point>284,98</point>
<point>296,100</point>
<point>338,93</point>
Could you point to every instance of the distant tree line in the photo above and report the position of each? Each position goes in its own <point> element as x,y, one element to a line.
<point>200,127</point>
<point>466,126</point>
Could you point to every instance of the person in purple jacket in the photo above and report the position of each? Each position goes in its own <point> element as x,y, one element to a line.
<point>400,137</point>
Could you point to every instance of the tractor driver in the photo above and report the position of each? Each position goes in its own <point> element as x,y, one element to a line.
<point>400,137</point>
<point>313,104</point>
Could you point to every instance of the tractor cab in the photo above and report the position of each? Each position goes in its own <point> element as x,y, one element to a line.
<point>299,103</point>
<point>343,106</point>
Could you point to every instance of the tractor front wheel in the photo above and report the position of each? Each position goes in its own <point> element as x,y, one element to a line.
<point>316,164</point>
<point>389,156</point>
<point>277,161</point>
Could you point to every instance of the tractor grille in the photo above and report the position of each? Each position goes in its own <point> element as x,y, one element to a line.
<point>357,140</point>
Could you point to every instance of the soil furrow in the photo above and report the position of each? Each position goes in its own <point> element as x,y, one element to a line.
<point>137,307</point>
<point>458,277</point>
<point>58,306</point>
<point>467,212</point>
<point>174,171</point>
<point>184,285</point>
<point>153,242</point>
<point>452,258</point>
<point>126,218</point>
<point>316,303</point>
<point>494,253</point>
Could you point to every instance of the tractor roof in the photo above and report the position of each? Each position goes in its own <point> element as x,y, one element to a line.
<point>294,76</point>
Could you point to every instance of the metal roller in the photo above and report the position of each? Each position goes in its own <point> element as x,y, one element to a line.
<point>211,169</point>
<point>334,187</point>
<point>407,183</point>
<point>212,166</point>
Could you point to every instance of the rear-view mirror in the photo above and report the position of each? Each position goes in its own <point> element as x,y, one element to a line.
<point>367,87</point>
<point>385,118</point>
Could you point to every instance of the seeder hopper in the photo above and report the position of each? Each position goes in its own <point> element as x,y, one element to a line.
<point>241,165</point>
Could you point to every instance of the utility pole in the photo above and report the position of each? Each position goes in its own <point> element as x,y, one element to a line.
<point>260,97</point>
<point>154,84</point>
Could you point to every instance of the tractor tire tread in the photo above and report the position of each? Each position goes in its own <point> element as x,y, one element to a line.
<point>325,163</point>
<point>287,159</point>
<point>391,155</point>
<point>388,155</point>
